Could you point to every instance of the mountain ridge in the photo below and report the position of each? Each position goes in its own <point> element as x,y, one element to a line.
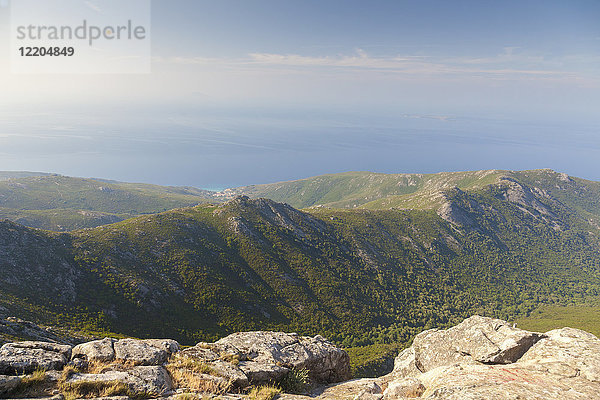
<point>358,276</point>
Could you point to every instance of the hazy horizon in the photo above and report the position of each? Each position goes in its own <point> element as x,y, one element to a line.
<point>264,91</point>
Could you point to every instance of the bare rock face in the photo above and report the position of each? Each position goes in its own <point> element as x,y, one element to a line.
<point>507,382</point>
<point>97,350</point>
<point>148,380</point>
<point>145,352</point>
<point>484,358</point>
<point>357,389</point>
<point>139,352</point>
<point>263,357</point>
<point>566,352</point>
<point>324,361</point>
<point>26,357</point>
<point>475,340</point>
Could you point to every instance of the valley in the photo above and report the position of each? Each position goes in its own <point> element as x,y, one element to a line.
<point>495,243</point>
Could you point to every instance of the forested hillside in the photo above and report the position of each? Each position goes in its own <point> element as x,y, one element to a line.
<point>356,276</point>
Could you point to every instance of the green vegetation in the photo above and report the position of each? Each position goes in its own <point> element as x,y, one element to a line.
<point>352,189</point>
<point>64,203</point>
<point>546,318</point>
<point>295,381</point>
<point>6,175</point>
<point>358,277</point>
<point>373,360</point>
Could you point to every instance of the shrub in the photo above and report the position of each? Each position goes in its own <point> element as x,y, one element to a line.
<point>295,381</point>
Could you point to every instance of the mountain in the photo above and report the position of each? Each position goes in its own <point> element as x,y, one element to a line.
<point>353,189</point>
<point>61,203</point>
<point>357,276</point>
<point>6,175</point>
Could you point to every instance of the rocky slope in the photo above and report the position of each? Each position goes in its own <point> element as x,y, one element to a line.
<point>484,358</point>
<point>480,358</point>
<point>154,368</point>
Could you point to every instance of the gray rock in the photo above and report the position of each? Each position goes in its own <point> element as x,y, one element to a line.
<point>501,382</point>
<point>262,357</point>
<point>151,380</point>
<point>475,340</point>
<point>406,364</point>
<point>357,389</point>
<point>145,352</point>
<point>483,358</point>
<point>8,383</point>
<point>236,376</point>
<point>26,357</point>
<point>371,391</point>
<point>405,388</point>
<point>202,352</point>
<point>566,352</point>
<point>259,372</point>
<point>97,350</point>
<point>324,361</point>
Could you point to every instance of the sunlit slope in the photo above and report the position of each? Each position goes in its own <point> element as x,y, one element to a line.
<point>65,203</point>
<point>352,189</point>
<point>580,196</point>
<point>5,175</point>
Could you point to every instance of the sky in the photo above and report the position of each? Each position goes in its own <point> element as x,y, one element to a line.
<point>255,91</point>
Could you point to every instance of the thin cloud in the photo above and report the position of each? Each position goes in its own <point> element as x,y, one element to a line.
<point>510,64</point>
<point>93,6</point>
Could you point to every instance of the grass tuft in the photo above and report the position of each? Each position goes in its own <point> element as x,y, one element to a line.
<point>92,389</point>
<point>188,373</point>
<point>264,393</point>
<point>33,385</point>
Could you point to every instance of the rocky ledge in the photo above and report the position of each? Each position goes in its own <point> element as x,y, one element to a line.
<point>155,368</point>
<point>484,358</point>
<point>481,358</point>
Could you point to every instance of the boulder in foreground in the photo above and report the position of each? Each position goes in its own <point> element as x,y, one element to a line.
<point>484,358</point>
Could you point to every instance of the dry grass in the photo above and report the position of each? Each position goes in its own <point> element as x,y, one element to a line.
<point>92,389</point>
<point>186,379</point>
<point>67,372</point>
<point>231,358</point>
<point>33,385</point>
<point>264,393</point>
<point>188,373</point>
<point>190,364</point>
<point>99,367</point>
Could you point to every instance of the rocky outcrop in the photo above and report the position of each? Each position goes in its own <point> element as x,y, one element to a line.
<point>97,350</point>
<point>269,356</point>
<point>138,352</point>
<point>12,328</point>
<point>483,358</point>
<point>158,367</point>
<point>476,340</point>
<point>150,380</point>
<point>145,352</point>
<point>26,357</point>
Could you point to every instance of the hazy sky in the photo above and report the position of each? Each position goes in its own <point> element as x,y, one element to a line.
<point>254,91</point>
